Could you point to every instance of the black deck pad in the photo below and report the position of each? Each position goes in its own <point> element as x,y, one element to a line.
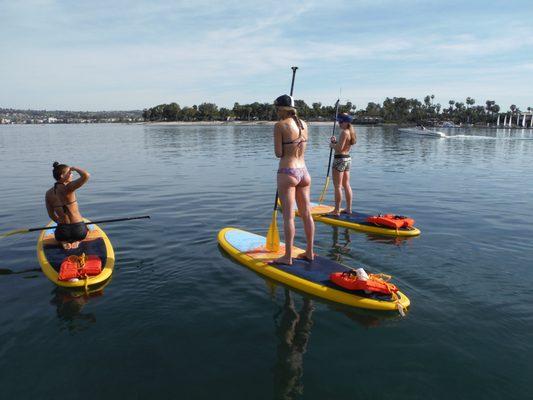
<point>55,254</point>
<point>319,270</point>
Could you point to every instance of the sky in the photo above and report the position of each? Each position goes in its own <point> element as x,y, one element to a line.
<point>125,55</point>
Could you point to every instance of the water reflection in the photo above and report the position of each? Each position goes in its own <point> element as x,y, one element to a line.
<point>293,330</point>
<point>365,318</point>
<point>7,271</point>
<point>341,241</point>
<point>69,305</point>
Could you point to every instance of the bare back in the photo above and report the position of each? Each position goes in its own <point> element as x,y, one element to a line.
<point>62,205</point>
<point>344,145</point>
<point>290,142</point>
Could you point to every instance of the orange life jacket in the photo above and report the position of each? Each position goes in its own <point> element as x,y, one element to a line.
<point>375,283</point>
<point>79,267</point>
<point>391,221</point>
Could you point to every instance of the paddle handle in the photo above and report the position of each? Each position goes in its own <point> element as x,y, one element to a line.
<point>293,75</point>
<point>116,220</point>
<point>93,222</point>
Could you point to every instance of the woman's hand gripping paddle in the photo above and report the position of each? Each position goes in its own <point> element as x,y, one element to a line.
<point>272,238</point>
<point>323,194</point>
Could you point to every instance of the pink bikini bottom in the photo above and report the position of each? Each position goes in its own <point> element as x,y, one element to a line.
<point>298,173</point>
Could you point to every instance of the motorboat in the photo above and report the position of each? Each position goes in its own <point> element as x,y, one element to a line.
<point>422,131</point>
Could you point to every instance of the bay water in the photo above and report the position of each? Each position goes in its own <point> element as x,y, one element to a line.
<point>180,319</point>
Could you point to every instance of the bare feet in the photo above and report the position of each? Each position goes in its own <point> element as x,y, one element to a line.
<point>307,256</point>
<point>335,213</point>
<point>66,246</point>
<point>346,211</point>
<point>282,260</point>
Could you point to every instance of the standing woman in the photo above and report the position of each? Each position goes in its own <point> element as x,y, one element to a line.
<point>62,205</point>
<point>294,182</point>
<point>342,162</point>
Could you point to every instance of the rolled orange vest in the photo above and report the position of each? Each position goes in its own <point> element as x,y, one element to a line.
<point>391,221</point>
<point>375,283</point>
<point>79,267</point>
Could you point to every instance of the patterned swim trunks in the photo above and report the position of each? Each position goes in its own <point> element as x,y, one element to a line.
<point>342,164</point>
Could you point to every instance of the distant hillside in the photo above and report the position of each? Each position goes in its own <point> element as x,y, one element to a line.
<point>9,115</point>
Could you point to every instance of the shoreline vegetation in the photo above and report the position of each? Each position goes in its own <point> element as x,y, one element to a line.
<point>393,111</point>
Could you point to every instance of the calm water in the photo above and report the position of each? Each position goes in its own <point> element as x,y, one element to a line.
<point>181,320</point>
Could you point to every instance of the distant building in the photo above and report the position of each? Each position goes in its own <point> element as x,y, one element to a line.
<point>520,119</point>
<point>52,120</point>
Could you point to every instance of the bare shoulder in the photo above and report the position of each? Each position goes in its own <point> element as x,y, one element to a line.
<point>278,124</point>
<point>281,126</point>
<point>48,195</point>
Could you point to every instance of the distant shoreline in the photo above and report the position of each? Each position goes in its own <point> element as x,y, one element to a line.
<point>223,123</point>
<point>259,123</point>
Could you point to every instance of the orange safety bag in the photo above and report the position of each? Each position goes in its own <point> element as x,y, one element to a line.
<point>377,283</point>
<point>391,221</point>
<point>79,267</point>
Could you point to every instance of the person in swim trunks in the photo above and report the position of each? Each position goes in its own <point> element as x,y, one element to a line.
<point>62,205</point>
<point>342,162</point>
<point>294,182</point>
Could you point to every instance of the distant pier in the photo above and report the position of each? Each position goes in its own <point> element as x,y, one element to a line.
<point>519,119</point>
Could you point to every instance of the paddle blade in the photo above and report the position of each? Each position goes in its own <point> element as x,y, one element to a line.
<point>15,232</point>
<point>323,194</point>
<point>272,239</point>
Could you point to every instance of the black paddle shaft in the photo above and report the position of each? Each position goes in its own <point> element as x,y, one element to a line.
<point>333,134</point>
<point>293,75</point>
<point>292,90</point>
<point>94,222</point>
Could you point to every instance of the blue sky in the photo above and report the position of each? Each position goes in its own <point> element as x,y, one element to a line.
<point>122,55</point>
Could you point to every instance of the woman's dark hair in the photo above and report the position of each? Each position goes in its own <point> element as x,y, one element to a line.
<point>58,170</point>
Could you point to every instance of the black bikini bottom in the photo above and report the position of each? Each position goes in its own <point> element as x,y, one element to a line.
<point>71,233</point>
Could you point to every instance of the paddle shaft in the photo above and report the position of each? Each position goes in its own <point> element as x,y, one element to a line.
<point>94,222</point>
<point>292,90</point>
<point>333,134</point>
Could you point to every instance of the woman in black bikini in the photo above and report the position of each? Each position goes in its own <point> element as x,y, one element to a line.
<point>294,182</point>
<point>62,205</point>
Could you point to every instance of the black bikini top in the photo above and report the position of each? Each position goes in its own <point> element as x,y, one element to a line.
<point>63,206</point>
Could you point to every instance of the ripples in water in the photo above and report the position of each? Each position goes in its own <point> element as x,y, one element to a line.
<point>179,314</point>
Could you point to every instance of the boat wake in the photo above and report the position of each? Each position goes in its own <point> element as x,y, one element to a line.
<point>480,137</point>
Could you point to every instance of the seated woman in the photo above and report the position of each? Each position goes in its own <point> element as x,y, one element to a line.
<point>294,182</point>
<point>342,162</point>
<point>62,206</point>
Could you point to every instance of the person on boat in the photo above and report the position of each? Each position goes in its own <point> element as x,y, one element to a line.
<point>62,205</point>
<point>342,162</point>
<point>294,182</point>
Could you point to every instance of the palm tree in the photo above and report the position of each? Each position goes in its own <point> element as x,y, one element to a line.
<point>470,102</point>
<point>450,109</point>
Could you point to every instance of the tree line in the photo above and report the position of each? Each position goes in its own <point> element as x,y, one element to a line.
<point>392,110</point>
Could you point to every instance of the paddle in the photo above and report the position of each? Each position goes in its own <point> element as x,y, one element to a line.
<point>272,238</point>
<point>321,198</point>
<point>11,233</point>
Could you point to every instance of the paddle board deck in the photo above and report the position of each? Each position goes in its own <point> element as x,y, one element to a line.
<point>310,277</point>
<point>51,254</point>
<point>357,221</point>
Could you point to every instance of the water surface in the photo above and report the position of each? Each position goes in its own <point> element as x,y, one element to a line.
<point>180,319</point>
